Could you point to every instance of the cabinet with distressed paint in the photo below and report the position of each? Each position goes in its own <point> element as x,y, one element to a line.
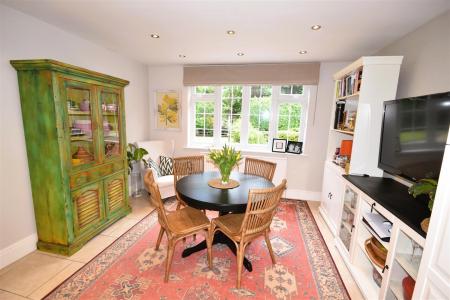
<point>74,125</point>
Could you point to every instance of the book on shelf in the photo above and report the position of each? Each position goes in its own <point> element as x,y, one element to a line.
<point>379,225</point>
<point>349,85</point>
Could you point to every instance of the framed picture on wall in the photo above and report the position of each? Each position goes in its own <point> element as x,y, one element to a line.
<point>279,145</point>
<point>168,110</point>
<point>294,147</point>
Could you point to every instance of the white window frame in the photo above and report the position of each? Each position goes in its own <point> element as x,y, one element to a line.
<point>278,98</point>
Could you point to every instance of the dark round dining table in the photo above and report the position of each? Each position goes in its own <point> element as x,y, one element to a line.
<point>195,191</point>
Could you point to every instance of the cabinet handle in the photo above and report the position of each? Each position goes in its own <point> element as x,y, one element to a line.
<point>372,206</point>
<point>386,267</point>
<point>351,229</point>
<point>331,195</point>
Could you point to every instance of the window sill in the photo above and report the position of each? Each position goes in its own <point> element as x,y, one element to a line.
<point>248,151</point>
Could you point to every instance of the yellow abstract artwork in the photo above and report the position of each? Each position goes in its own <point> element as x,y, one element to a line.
<point>168,110</point>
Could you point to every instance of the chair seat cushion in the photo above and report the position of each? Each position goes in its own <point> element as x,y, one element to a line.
<point>230,223</point>
<point>187,220</point>
<point>164,181</point>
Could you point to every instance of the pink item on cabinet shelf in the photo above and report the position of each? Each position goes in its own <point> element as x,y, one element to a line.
<point>84,125</point>
<point>85,105</point>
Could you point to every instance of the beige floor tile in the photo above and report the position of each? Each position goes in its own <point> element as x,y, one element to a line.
<point>55,281</point>
<point>92,248</point>
<point>120,227</point>
<point>4,295</point>
<point>30,272</point>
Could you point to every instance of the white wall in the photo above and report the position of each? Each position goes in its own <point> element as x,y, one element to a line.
<point>304,172</point>
<point>24,37</point>
<point>426,63</point>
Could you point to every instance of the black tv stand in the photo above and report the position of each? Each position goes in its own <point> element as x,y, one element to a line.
<point>394,197</point>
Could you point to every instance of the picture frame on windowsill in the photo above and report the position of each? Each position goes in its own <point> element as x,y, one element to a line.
<point>279,145</point>
<point>294,147</point>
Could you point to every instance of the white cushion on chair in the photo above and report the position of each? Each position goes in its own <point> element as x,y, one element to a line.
<point>164,180</point>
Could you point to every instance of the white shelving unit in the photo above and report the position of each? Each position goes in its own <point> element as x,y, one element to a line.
<point>378,83</point>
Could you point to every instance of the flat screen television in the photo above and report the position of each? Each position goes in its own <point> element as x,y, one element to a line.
<point>413,136</point>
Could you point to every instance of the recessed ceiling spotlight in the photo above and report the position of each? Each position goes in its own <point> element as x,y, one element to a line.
<point>231,32</point>
<point>303,52</point>
<point>316,27</point>
<point>154,35</point>
<point>181,56</point>
<point>240,54</point>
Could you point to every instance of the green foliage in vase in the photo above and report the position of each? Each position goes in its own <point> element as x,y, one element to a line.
<point>135,154</point>
<point>225,159</point>
<point>425,186</point>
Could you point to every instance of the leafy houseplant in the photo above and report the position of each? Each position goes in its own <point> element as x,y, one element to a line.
<point>134,155</point>
<point>426,186</point>
<point>225,159</point>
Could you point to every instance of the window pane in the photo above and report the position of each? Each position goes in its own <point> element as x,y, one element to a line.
<point>260,105</point>
<point>200,121</point>
<point>256,91</point>
<point>286,89</point>
<point>226,106</point>
<point>289,121</point>
<point>199,107</point>
<point>204,122</point>
<point>231,114</point>
<point>297,89</point>
<point>203,90</point>
<point>209,107</point>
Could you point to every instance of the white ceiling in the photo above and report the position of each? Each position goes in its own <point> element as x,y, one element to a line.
<point>266,31</point>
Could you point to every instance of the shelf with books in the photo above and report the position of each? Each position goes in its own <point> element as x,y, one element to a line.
<point>350,84</point>
<point>344,131</point>
<point>347,96</point>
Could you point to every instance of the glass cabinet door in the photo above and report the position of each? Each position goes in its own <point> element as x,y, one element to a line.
<point>111,122</point>
<point>81,122</point>
<point>348,217</point>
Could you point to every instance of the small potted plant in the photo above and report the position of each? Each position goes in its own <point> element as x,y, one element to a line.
<point>225,160</point>
<point>134,156</point>
<point>426,186</point>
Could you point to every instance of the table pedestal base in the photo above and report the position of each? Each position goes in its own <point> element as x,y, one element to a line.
<point>221,238</point>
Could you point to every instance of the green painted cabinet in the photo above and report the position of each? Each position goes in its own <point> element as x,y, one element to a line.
<point>74,125</point>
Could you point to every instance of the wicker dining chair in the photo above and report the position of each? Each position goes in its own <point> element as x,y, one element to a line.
<point>260,167</point>
<point>178,224</point>
<point>184,166</point>
<point>244,228</point>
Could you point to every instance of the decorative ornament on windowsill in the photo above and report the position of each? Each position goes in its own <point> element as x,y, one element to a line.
<point>225,160</point>
<point>425,186</point>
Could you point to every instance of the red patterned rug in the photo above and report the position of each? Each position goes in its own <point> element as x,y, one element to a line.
<point>131,269</point>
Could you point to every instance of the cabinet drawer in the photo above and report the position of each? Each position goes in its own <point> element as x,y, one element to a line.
<point>94,173</point>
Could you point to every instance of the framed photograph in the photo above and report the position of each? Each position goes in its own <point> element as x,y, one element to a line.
<point>294,147</point>
<point>279,145</point>
<point>168,110</point>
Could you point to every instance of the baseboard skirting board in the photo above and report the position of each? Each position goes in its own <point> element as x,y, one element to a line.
<point>302,195</point>
<point>18,250</point>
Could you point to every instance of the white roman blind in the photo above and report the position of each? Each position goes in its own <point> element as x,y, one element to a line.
<point>286,73</point>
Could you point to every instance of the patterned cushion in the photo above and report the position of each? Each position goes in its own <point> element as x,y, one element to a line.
<point>166,165</point>
<point>154,166</point>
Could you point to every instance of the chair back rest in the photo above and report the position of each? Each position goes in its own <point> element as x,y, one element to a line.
<point>261,208</point>
<point>187,165</point>
<point>259,167</point>
<point>155,196</point>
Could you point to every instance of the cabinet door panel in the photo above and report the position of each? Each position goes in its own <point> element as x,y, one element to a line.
<point>80,101</point>
<point>87,208</point>
<point>115,194</point>
<point>112,122</point>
